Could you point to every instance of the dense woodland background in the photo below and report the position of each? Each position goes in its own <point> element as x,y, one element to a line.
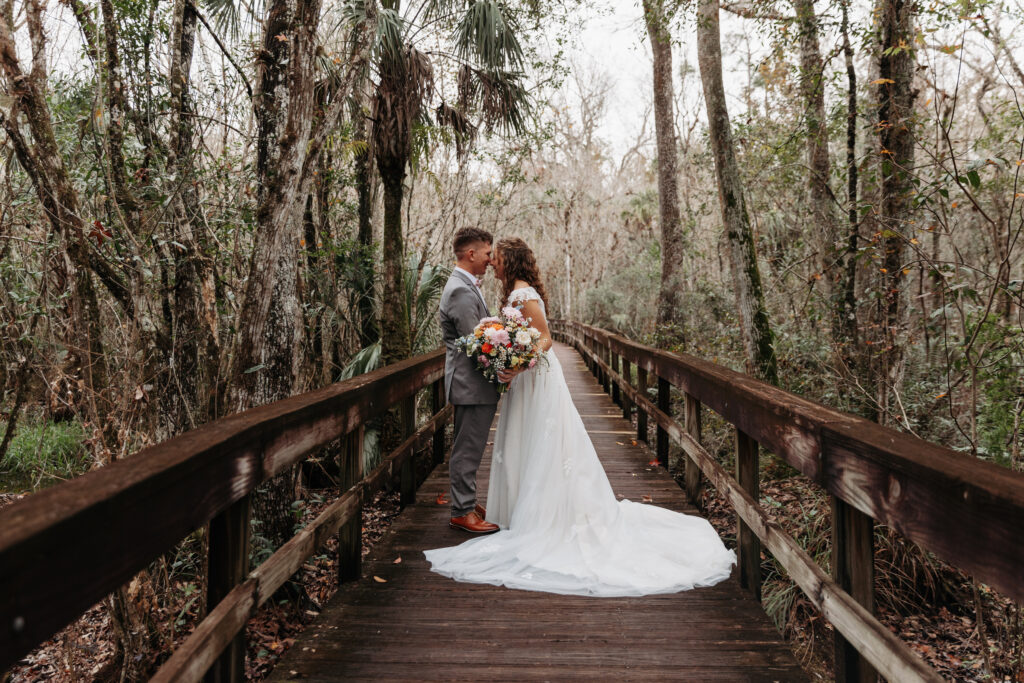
<point>208,205</point>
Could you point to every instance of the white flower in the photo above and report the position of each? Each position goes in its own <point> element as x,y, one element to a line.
<point>523,338</point>
<point>534,332</point>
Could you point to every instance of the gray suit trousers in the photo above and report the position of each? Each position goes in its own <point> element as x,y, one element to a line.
<point>472,426</point>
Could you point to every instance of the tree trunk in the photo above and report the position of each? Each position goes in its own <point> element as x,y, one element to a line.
<point>844,323</point>
<point>265,364</point>
<point>395,334</point>
<point>896,137</point>
<point>757,333</point>
<point>820,198</point>
<point>670,306</point>
<point>194,348</point>
<point>369,327</point>
<point>45,166</point>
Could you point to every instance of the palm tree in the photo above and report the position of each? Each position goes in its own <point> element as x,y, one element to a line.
<point>486,51</point>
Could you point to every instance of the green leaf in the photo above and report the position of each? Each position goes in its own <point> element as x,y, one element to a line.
<point>974,179</point>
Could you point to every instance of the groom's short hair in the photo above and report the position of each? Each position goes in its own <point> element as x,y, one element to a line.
<point>466,237</point>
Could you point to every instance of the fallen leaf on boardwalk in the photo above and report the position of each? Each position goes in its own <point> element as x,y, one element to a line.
<point>442,499</point>
<point>378,579</point>
<point>398,560</point>
<point>653,463</point>
<point>621,443</point>
<point>647,499</point>
<point>632,442</point>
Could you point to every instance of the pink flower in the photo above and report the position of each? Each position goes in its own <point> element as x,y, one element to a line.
<point>485,361</point>
<point>533,361</point>
<point>497,337</point>
<point>512,313</point>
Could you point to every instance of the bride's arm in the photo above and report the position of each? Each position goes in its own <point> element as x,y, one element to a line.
<point>533,313</point>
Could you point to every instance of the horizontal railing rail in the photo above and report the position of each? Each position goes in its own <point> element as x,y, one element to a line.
<point>65,548</point>
<point>967,512</point>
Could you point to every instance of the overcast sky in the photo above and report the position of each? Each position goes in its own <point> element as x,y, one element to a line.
<point>614,43</point>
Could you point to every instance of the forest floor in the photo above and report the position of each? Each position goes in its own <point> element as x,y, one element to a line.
<point>927,603</point>
<point>87,649</point>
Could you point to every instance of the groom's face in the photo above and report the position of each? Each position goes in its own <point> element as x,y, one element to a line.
<point>479,258</point>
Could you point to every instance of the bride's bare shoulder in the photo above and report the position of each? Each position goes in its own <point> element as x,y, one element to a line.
<point>520,284</point>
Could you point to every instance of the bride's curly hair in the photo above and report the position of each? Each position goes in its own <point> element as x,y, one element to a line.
<point>519,264</point>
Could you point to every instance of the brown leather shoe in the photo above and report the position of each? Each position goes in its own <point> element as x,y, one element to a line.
<point>473,524</point>
<point>480,511</point>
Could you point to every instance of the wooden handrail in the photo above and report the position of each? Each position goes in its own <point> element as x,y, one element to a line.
<point>64,548</point>
<point>964,510</point>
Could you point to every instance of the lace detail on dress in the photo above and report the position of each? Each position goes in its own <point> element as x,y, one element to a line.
<point>524,294</point>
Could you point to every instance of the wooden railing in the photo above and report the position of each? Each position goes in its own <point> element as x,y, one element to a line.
<point>967,512</point>
<point>65,548</point>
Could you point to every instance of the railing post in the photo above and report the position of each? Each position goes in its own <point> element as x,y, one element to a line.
<point>627,377</point>
<point>350,535</point>
<point>693,473</point>
<point>437,403</point>
<point>665,406</point>
<point>614,365</point>
<point>853,569</point>
<point>408,479</point>
<point>748,546</point>
<point>606,358</point>
<point>641,414</point>
<point>227,565</point>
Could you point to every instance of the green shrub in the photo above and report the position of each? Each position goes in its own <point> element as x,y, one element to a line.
<point>46,450</point>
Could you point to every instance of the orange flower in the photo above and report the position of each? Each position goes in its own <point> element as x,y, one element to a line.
<point>487,348</point>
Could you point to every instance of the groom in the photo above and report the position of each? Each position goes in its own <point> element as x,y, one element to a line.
<point>475,398</point>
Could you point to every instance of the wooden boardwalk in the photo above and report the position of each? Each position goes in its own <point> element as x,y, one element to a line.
<point>421,626</point>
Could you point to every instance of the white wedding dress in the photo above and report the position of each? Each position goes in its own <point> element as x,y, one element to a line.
<point>562,529</point>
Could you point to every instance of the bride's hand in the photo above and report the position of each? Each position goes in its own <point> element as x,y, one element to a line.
<point>506,376</point>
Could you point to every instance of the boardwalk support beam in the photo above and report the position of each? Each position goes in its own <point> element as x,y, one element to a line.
<point>228,563</point>
<point>641,414</point>
<point>665,406</point>
<point>693,428</point>
<point>408,470</point>
<point>853,569</point>
<point>350,536</point>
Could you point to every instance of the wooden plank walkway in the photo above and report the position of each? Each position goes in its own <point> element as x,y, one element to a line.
<point>421,626</point>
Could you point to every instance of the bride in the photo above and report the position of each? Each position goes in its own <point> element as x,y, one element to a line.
<point>562,529</point>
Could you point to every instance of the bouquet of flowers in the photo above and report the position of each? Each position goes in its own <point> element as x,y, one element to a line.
<point>503,342</point>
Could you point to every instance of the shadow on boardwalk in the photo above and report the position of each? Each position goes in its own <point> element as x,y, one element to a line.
<point>419,626</point>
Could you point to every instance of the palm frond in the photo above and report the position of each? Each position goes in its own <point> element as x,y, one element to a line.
<point>433,9</point>
<point>227,14</point>
<point>463,129</point>
<point>423,293</point>
<point>487,35</point>
<point>499,95</point>
<point>389,42</point>
<point>366,360</point>
<point>406,84</point>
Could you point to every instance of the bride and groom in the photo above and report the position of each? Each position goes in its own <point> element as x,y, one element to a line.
<point>553,522</point>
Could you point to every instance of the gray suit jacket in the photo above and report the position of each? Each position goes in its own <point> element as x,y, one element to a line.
<point>462,307</point>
